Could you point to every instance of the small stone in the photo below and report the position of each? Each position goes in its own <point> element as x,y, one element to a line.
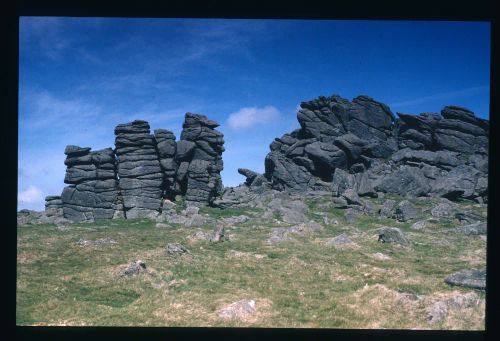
<point>238,310</point>
<point>437,312</point>
<point>419,225</point>
<point>175,249</point>
<point>196,220</point>
<point>219,235</point>
<point>339,240</point>
<point>199,235</point>
<point>102,241</point>
<point>161,225</point>
<point>380,256</point>
<point>134,268</point>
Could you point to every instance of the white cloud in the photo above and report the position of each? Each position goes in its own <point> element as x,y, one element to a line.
<point>30,195</point>
<point>251,116</point>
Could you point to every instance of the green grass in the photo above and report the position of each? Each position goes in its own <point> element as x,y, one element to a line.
<point>302,283</point>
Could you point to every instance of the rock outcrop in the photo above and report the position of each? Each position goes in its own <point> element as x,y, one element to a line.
<point>199,154</point>
<point>144,169</point>
<point>349,149</point>
<point>363,146</point>
<point>139,171</point>
<point>92,192</point>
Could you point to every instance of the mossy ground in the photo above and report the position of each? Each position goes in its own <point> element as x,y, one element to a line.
<point>300,283</point>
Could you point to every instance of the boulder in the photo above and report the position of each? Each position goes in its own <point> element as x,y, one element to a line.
<point>479,228</point>
<point>351,197</point>
<point>442,210</point>
<point>405,181</point>
<point>405,210</point>
<point>392,235</point>
<point>470,278</point>
<point>387,209</point>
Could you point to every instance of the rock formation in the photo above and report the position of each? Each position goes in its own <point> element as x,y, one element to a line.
<point>166,147</point>
<point>139,171</point>
<point>92,192</point>
<point>362,145</point>
<point>199,154</point>
<point>133,180</point>
<point>349,149</point>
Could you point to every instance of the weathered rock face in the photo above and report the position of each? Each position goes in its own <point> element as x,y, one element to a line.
<point>139,171</point>
<point>199,154</point>
<point>93,192</point>
<point>361,145</point>
<point>166,147</point>
<point>133,180</point>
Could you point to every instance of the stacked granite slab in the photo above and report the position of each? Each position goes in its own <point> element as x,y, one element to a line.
<point>139,171</point>
<point>92,191</point>
<point>199,156</point>
<point>442,154</point>
<point>447,151</point>
<point>166,147</point>
<point>334,133</point>
<point>53,202</point>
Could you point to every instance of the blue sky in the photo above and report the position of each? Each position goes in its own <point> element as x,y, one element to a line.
<point>80,77</point>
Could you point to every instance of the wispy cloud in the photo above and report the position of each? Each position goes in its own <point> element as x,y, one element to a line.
<point>30,195</point>
<point>46,33</point>
<point>39,110</point>
<point>442,96</point>
<point>50,35</point>
<point>250,116</point>
<point>209,37</point>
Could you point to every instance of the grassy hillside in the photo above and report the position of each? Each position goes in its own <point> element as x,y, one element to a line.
<point>301,283</point>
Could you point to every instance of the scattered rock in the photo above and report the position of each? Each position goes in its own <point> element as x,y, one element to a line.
<point>279,235</point>
<point>102,241</point>
<point>352,215</point>
<point>479,228</point>
<point>380,256</point>
<point>234,220</point>
<point>219,235</point>
<point>238,310</point>
<point>405,210</point>
<point>388,208</point>
<point>351,197</point>
<point>134,268</point>
<point>471,278</point>
<point>196,220</point>
<point>437,312</point>
<point>442,210</point>
<point>469,217</point>
<point>161,225</point>
<point>392,235</point>
<point>419,225</point>
<point>339,240</point>
<point>175,249</point>
<point>199,235</point>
